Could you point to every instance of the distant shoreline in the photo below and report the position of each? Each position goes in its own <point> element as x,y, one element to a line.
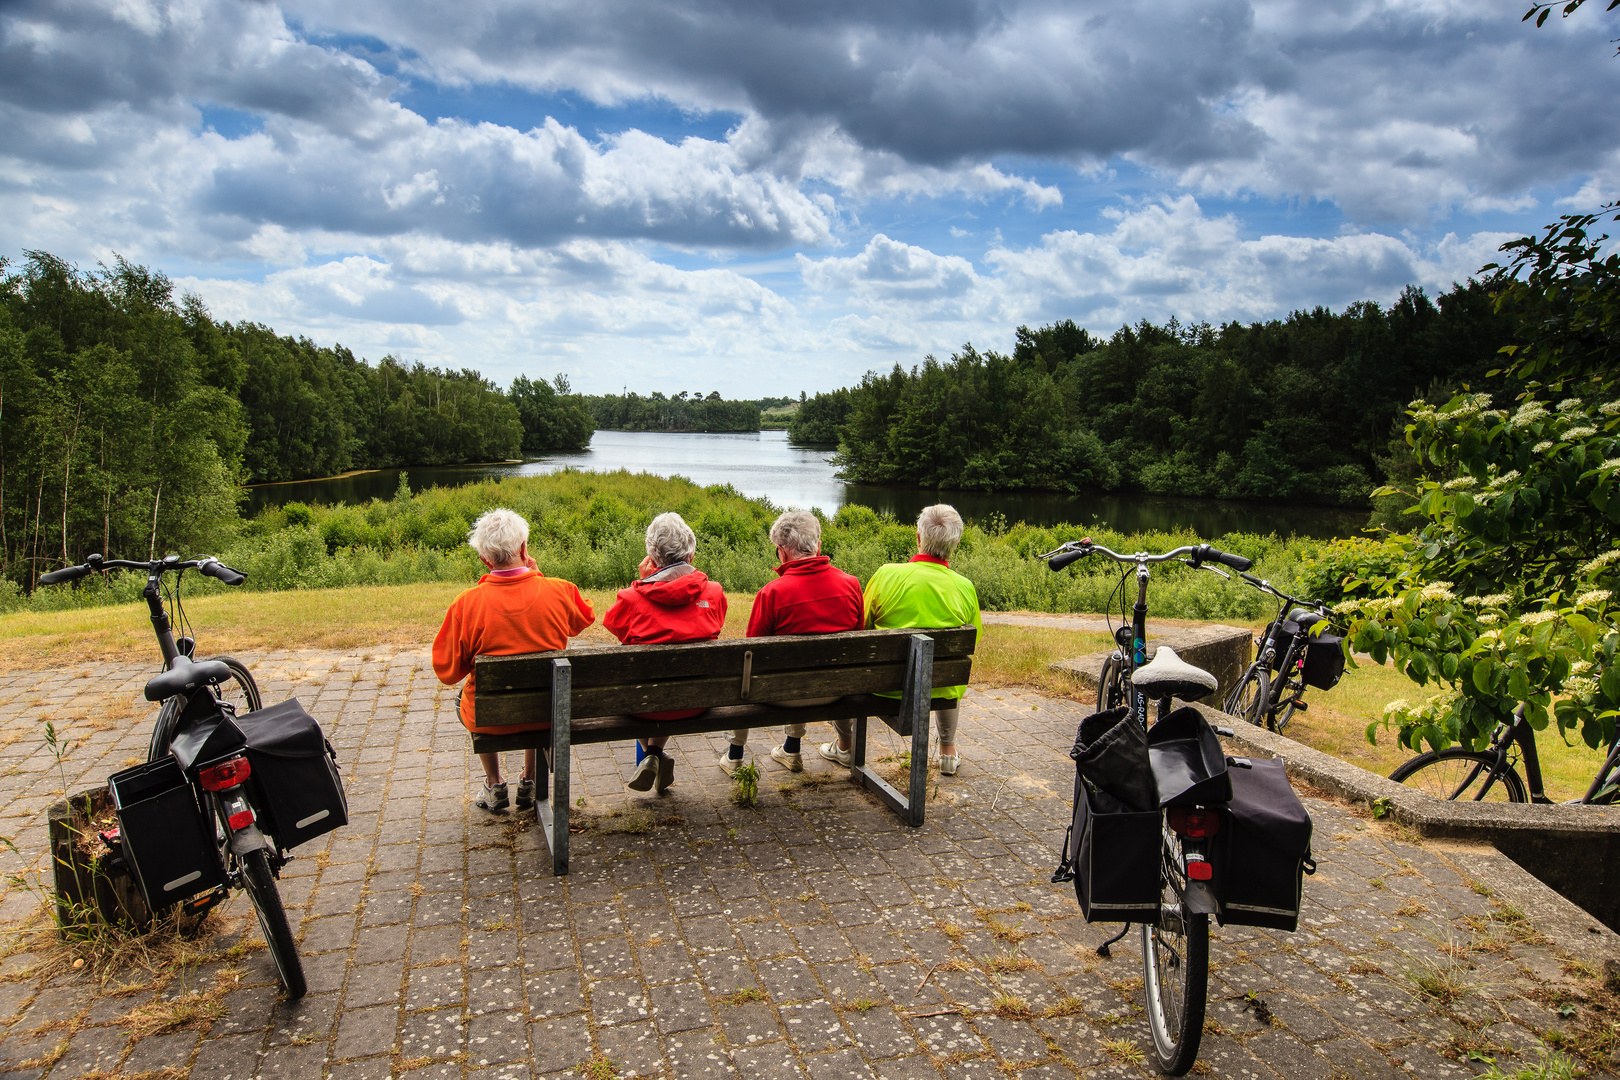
<point>363,472</point>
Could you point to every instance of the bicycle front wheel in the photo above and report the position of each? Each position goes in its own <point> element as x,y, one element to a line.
<point>1455,773</point>
<point>242,692</point>
<point>1111,684</point>
<point>1283,711</point>
<point>1175,973</point>
<point>1250,697</point>
<point>261,889</point>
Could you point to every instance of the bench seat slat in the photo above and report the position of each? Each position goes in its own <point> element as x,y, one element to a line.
<point>522,706</point>
<point>599,729</point>
<point>611,665</point>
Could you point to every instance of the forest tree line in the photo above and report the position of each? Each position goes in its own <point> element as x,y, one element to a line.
<point>1302,409</point>
<point>130,418</point>
<point>683,412</point>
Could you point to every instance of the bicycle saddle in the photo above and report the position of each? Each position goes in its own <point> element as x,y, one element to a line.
<point>184,676</point>
<point>1168,675</point>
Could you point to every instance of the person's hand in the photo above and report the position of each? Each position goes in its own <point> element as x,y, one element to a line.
<point>647,568</point>
<point>528,560</point>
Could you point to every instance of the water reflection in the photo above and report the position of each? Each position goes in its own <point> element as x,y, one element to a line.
<point>766,464</point>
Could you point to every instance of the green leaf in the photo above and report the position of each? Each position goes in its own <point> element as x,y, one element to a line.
<point>1518,684</point>
<point>1448,666</point>
<point>1610,683</point>
<point>1584,628</point>
<point>1482,676</point>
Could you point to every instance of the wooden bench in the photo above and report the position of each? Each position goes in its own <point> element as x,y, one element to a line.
<point>585,695</point>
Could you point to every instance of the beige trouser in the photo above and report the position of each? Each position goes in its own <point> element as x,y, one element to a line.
<point>739,736</point>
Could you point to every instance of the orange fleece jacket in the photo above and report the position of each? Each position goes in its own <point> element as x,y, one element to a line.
<point>500,617</point>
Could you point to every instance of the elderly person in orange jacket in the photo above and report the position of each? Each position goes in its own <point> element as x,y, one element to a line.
<point>513,609</point>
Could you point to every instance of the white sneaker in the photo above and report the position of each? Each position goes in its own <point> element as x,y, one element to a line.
<point>831,752</point>
<point>793,762</point>
<point>729,765</point>
<point>642,779</point>
<point>949,762</point>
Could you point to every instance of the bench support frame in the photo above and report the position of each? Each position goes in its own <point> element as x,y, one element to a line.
<point>911,719</point>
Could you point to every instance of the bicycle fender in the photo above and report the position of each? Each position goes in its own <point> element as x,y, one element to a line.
<point>249,839</point>
<point>1199,899</point>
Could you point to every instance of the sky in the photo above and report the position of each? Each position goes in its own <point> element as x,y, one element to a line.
<point>770,197</point>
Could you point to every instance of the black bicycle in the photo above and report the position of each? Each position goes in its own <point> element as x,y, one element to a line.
<point>1492,774</point>
<point>1175,949</point>
<point>1294,651</point>
<point>195,695</point>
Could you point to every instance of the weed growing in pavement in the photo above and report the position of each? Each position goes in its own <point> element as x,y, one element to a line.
<point>1124,1050</point>
<point>1553,1065</point>
<point>745,785</point>
<point>862,1004</point>
<point>1011,1007</point>
<point>601,1067</point>
<point>743,996</point>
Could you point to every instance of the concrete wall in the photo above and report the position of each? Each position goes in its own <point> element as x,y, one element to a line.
<point>1223,651</point>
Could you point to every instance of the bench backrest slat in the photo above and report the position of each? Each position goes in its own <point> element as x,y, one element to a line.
<point>609,665</point>
<point>609,681</point>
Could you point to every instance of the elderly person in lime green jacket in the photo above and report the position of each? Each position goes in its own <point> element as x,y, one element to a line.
<point>925,593</point>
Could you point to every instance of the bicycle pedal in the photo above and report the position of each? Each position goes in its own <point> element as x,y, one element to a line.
<point>197,905</point>
<point>1299,706</point>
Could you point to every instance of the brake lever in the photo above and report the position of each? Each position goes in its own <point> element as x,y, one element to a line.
<point>1207,566</point>
<point>1071,545</point>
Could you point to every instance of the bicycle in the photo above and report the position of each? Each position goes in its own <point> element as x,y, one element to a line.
<point>1284,648</point>
<point>194,693</point>
<point>1478,775</point>
<point>1175,950</point>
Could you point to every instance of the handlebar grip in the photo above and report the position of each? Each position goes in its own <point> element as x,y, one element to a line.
<point>1058,562</point>
<point>67,573</point>
<point>1209,553</point>
<point>216,569</point>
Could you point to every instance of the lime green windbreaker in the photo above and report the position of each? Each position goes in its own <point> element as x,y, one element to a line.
<point>925,593</point>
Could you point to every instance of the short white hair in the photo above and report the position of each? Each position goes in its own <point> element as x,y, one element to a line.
<point>939,530</point>
<point>670,539</point>
<point>797,531</point>
<point>499,535</point>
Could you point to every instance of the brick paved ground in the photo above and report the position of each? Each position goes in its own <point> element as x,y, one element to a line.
<point>812,936</point>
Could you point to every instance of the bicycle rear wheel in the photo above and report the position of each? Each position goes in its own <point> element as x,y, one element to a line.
<point>1251,696</point>
<point>1283,710</point>
<point>1455,773</point>
<point>1175,971</point>
<point>261,889</point>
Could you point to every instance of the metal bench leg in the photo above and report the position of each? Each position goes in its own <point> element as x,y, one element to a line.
<point>913,707</point>
<point>554,817</point>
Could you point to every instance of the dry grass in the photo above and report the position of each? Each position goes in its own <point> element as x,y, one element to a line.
<point>1020,656</point>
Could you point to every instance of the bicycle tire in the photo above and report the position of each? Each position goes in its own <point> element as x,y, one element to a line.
<point>1110,685</point>
<point>261,890</point>
<point>1455,773</point>
<point>1283,710</point>
<point>1175,973</point>
<point>242,692</point>
<point>1250,697</point>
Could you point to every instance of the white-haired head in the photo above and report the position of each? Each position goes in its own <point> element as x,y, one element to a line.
<point>498,537</point>
<point>670,540</point>
<point>797,532</point>
<point>939,530</point>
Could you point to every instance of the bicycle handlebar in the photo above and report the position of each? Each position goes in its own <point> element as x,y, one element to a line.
<point>1196,554</point>
<point>207,565</point>
<point>1268,587</point>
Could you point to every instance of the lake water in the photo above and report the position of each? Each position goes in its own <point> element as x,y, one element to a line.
<point>766,464</point>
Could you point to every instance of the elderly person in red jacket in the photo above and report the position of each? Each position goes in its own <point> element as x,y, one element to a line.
<point>809,596</point>
<point>673,601</point>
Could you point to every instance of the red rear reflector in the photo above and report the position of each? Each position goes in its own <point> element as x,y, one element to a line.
<point>1194,821</point>
<point>1200,870</point>
<point>227,774</point>
<point>241,820</point>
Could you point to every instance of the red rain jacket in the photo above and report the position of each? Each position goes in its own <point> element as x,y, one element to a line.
<point>809,596</point>
<point>685,608</point>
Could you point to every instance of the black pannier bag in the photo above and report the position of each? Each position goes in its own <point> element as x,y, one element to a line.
<point>165,836</point>
<point>1188,764</point>
<point>1262,850</point>
<point>1324,661</point>
<point>295,780</point>
<point>1112,849</point>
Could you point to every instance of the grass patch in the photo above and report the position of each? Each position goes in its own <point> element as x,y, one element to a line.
<point>1011,1007</point>
<point>1552,1065</point>
<point>1124,1050</point>
<point>601,1067</point>
<point>1021,656</point>
<point>744,996</point>
<point>745,785</point>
